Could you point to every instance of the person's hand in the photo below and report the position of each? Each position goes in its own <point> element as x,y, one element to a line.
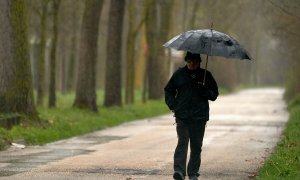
<point>204,91</point>
<point>200,86</point>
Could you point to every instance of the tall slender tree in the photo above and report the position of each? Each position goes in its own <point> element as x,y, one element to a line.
<point>113,60</point>
<point>133,29</point>
<point>86,80</point>
<point>157,29</point>
<point>153,64</point>
<point>165,17</point>
<point>73,51</point>
<point>52,95</point>
<point>41,60</point>
<point>16,94</point>
<point>285,17</point>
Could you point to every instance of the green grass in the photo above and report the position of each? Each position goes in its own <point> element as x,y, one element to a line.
<point>65,121</point>
<point>5,138</point>
<point>284,163</point>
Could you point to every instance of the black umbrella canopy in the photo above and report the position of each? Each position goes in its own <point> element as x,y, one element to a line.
<point>209,42</point>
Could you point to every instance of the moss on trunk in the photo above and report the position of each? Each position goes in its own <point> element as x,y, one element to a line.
<point>16,92</point>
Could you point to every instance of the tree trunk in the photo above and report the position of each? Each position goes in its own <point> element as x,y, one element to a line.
<point>130,60</point>
<point>86,81</point>
<point>192,23</point>
<point>71,65</point>
<point>141,78</point>
<point>157,28</point>
<point>63,66</point>
<point>153,66</point>
<point>165,26</point>
<point>72,59</point>
<point>52,95</point>
<point>113,60</point>
<point>41,60</point>
<point>130,67</point>
<point>185,14</point>
<point>16,94</point>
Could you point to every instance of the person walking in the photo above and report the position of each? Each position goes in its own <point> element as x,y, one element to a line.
<point>187,96</point>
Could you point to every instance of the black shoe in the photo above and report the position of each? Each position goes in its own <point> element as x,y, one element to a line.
<point>178,176</point>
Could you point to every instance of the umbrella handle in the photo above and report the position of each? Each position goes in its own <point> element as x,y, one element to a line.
<point>205,70</point>
<point>211,29</point>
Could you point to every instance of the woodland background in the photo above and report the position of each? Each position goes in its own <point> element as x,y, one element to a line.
<point>66,46</point>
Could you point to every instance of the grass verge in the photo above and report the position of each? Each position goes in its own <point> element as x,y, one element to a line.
<point>5,138</point>
<point>284,163</point>
<point>64,121</point>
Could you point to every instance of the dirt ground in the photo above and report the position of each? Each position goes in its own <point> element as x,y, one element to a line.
<point>243,129</point>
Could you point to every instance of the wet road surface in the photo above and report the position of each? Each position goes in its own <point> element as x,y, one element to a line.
<point>243,129</point>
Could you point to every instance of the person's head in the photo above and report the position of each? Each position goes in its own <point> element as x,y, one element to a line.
<point>192,60</point>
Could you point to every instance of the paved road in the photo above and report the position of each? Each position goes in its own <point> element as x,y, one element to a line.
<point>243,129</point>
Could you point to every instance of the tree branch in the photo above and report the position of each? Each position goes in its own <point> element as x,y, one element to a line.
<point>284,10</point>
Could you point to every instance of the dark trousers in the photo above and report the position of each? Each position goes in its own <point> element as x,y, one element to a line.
<point>193,132</point>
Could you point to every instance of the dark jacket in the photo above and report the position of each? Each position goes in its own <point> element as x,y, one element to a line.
<point>187,97</point>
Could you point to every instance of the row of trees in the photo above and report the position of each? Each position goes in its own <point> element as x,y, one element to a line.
<point>43,28</point>
<point>286,18</point>
<point>112,45</point>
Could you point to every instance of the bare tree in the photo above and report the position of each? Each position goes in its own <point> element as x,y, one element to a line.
<point>41,60</point>
<point>285,17</point>
<point>157,29</point>
<point>75,23</point>
<point>52,94</point>
<point>153,65</point>
<point>113,59</point>
<point>86,82</point>
<point>133,30</point>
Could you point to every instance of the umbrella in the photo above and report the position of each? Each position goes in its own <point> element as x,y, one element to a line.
<point>209,42</point>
